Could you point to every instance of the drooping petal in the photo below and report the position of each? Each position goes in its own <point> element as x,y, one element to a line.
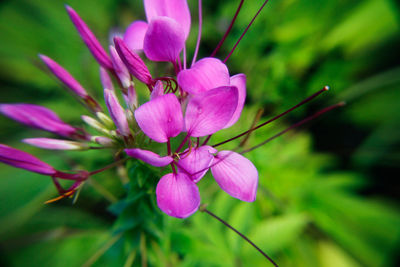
<point>239,81</point>
<point>177,195</point>
<point>158,90</point>
<point>160,118</point>
<point>23,160</point>
<point>134,35</point>
<point>175,9</point>
<point>117,113</point>
<point>197,162</point>
<point>120,69</point>
<point>164,40</point>
<point>37,117</point>
<point>133,62</point>
<point>209,112</point>
<point>64,76</point>
<point>236,175</point>
<point>90,39</point>
<point>55,144</point>
<point>149,157</point>
<point>106,79</point>
<point>207,73</point>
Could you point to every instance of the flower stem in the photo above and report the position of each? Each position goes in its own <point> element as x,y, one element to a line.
<point>319,113</point>
<point>228,30</point>
<point>245,31</point>
<point>326,88</point>
<point>239,233</point>
<point>108,166</point>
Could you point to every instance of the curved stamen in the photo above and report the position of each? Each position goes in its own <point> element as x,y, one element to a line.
<point>245,31</point>
<point>326,88</point>
<point>319,113</point>
<point>228,30</point>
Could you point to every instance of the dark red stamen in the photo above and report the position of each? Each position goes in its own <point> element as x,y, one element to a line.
<point>228,30</point>
<point>245,31</point>
<point>326,88</point>
<point>319,113</point>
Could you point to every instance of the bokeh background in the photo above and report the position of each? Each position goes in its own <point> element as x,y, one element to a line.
<point>328,191</point>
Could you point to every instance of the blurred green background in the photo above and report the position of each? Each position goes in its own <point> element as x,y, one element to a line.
<point>328,192</point>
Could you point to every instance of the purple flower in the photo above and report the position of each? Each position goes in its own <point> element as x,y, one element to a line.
<point>206,113</point>
<point>38,117</point>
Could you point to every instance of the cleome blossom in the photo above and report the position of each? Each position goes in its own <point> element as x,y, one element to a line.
<point>190,106</point>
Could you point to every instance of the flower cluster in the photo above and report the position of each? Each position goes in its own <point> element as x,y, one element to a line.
<point>191,105</point>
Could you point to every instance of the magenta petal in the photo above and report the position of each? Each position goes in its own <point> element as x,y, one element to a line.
<point>55,144</point>
<point>37,117</point>
<point>209,112</point>
<point>90,40</point>
<point>64,76</point>
<point>164,40</point>
<point>149,157</point>
<point>134,35</point>
<point>160,118</point>
<point>175,9</point>
<point>236,175</point>
<point>239,81</point>
<point>177,195</point>
<point>133,62</point>
<point>197,162</point>
<point>158,90</point>
<point>23,160</point>
<point>117,113</point>
<point>205,74</point>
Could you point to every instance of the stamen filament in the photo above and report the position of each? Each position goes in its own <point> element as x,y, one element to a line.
<point>183,143</point>
<point>203,209</point>
<point>228,30</point>
<point>326,88</point>
<point>198,34</point>
<point>319,113</point>
<point>108,166</point>
<point>245,31</point>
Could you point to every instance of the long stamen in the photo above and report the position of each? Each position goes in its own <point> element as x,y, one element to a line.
<point>108,166</point>
<point>319,113</point>
<point>245,31</point>
<point>326,88</point>
<point>203,209</point>
<point>228,30</point>
<point>198,34</point>
<point>184,57</point>
<point>182,144</point>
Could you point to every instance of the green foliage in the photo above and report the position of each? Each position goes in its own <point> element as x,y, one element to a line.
<point>310,211</point>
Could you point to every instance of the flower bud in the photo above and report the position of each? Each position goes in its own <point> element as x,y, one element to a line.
<point>55,144</point>
<point>133,62</point>
<point>38,117</point>
<point>120,68</point>
<point>90,40</point>
<point>117,113</point>
<point>23,160</point>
